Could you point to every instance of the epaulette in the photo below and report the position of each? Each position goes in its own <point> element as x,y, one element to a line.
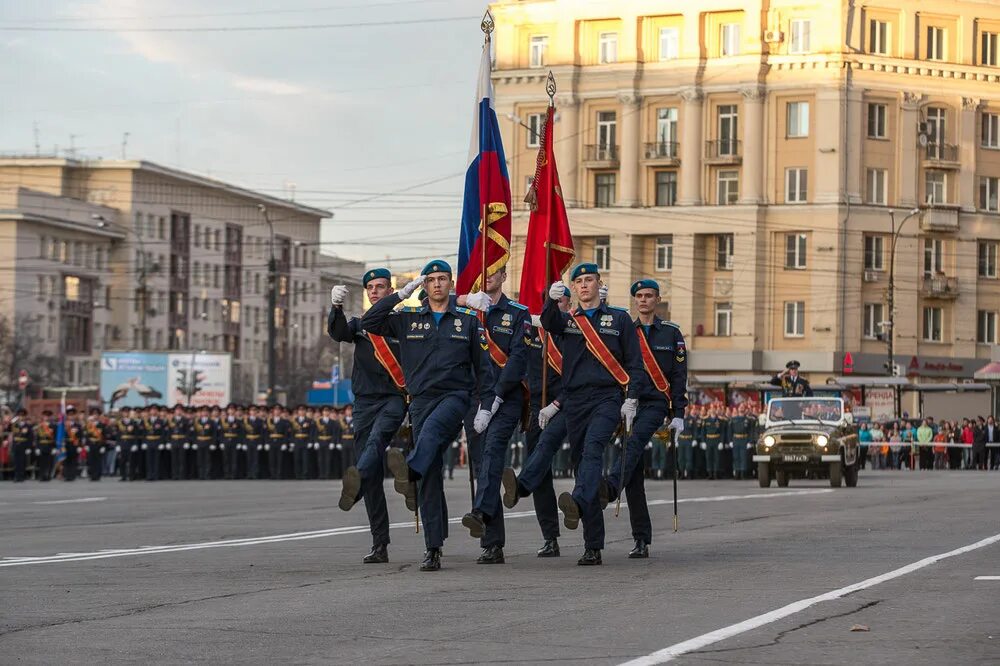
<point>517,305</point>
<point>615,307</point>
<point>410,308</point>
<point>670,323</point>
<point>468,311</point>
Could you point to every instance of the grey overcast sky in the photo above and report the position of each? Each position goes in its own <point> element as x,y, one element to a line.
<point>340,114</point>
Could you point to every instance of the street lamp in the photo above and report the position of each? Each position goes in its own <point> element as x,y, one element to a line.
<point>272,304</point>
<point>891,333</point>
<point>105,223</point>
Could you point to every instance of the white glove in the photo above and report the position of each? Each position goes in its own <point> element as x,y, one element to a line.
<point>677,425</point>
<point>704,446</point>
<point>720,446</point>
<point>118,449</point>
<point>479,300</point>
<point>482,420</point>
<point>730,445</point>
<point>536,321</point>
<point>267,447</point>
<point>143,447</point>
<point>412,286</point>
<point>338,294</point>
<point>629,408</point>
<point>603,292</point>
<point>557,290</point>
<point>546,414</point>
<point>497,401</point>
<point>211,447</point>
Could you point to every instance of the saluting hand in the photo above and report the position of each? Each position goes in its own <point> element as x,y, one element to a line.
<point>412,286</point>
<point>337,295</point>
<point>557,290</point>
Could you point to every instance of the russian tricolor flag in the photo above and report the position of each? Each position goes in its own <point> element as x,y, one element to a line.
<point>487,193</point>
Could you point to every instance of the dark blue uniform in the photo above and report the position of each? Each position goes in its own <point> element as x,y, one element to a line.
<point>24,439</point>
<point>667,344</point>
<point>155,433</point>
<point>594,398</point>
<point>255,436</point>
<point>73,443</point>
<point>303,435</point>
<point>379,410</point>
<point>506,322</point>
<point>95,435</point>
<point>444,363</point>
<point>180,441</point>
<point>231,439</point>
<point>279,432</point>
<point>206,435</point>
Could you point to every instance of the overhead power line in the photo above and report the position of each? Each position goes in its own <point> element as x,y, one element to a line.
<point>248,28</point>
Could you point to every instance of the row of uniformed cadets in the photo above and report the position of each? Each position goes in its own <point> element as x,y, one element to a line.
<point>153,443</point>
<point>603,374</point>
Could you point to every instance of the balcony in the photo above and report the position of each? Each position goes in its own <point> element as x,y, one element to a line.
<point>939,217</point>
<point>664,153</point>
<point>939,287</point>
<point>600,156</point>
<point>941,156</point>
<point>723,151</point>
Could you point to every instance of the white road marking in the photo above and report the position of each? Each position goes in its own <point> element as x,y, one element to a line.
<point>73,501</point>
<point>987,578</point>
<point>320,534</point>
<point>699,642</point>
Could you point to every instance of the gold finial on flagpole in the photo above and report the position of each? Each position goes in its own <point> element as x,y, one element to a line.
<point>550,88</point>
<point>487,25</point>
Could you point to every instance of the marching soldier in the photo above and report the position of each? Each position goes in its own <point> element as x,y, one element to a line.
<point>602,382</point>
<point>379,386</point>
<point>328,431</point>
<point>792,385</point>
<point>545,436</point>
<point>95,436</point>
<point>73,443</point>
<point>24,440</point>
<point>444,358</point>
<point>742,429</point>
<point>662,400</point>
<point>715,436</point>
<point>506,322</point>
<point>130,433</point>
<point>278,434</point>
<point>254,434</point>
<point>231,441</point>
<point>180,443</point>
<point>154,441</point>
<point>347,444</point>
<point>687,440</point>
<point>45,443</point>
<point>206,435</point>
<point>303,434</point>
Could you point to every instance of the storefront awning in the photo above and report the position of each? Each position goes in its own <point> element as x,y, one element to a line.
<point>990,371</point>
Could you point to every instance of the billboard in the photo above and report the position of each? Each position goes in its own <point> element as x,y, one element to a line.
<point>136,379</point>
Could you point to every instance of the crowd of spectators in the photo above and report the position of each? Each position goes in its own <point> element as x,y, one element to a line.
<point>972,443</point>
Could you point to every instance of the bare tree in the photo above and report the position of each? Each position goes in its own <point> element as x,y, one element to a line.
<point>21,349</point>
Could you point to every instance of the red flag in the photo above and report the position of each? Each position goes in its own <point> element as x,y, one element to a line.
<point>548,227</point>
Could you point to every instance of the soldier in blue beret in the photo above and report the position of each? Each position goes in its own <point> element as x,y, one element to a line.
<point>662,401</point>
<point>444,356</point>
<point>602,381</point>
<point>379,409</point>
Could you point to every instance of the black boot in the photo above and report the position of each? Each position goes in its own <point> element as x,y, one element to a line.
<point>432,560</point>
<point>379,555</point>
<point>401,477</point>
<point>591,557</point>
<point>491,555</point>
<point>350,489</point>
<point>475,522</point>
<point>571,512</point>
<point>549,549</point>
<point>510,490</point>
<point>640,552</point>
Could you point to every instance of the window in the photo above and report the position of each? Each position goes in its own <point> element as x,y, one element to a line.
<point>878,37</point>
<point>989,52</point>
<point>607,123</point>
<point>935,43</point>
<point>988,189</point>
<point>666,132</point>
<point>539,45</point>
<point>602,252</point>
<point>535,121</point>
<point>797,120</point>
<point>932,325</point>
<point>161,228</point>
<point>991,130</point>
<point>936,190</point>
<point>71,288</point>
<point>799,35</point>
<point>795,251</point>
<point>728,187</point>
<point>795,319</point>
<point>876,121</point>
<point>724,319</point>
<point>877,179</point>
<point>874,253</point>
<point>664,253</point>
<point>724,252</point>
<point>871,326</point>
<point>604,190</point>
<point>728,129</point>
<point>986,327</point>
<point>936,128</point>
<point>197,235</point>
<point>796,185</point>
<point>933,256</point>
<point>608,47</point>
<point>42,282</point>
<point>729,39</point>
<point>666,188</point>
<point>988,259</point>
<point>669,43</point>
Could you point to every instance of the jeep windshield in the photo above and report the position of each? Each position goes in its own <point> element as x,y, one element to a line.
<point>799,410</point>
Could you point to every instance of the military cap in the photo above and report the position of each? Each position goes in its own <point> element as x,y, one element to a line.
<point>645,284</point>
<point>793,365</point>
<point>567,293</point>
<point>374,274</point>
<point>584,269</point>
<point>437,266</point>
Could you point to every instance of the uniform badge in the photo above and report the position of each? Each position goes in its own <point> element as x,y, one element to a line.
<point>413,325</point>
<point>458,325</point>
<point>606,320</point>
<point>427,325</point>
<point>505,319</point>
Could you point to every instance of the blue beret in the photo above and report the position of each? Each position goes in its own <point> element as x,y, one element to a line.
<point>645,284</point>
<point>584,269</point>
<point>436,266</point>
<point>567,293</point>
<point>374,274</point>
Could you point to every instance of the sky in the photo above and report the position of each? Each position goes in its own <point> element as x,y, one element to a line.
<point>363,108</point>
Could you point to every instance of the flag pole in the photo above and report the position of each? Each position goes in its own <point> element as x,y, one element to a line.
<point>550,89</point>
<point>487,26</point>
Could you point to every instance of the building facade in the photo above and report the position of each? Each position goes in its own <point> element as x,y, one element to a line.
<point>132,255</point>
<point>753,156</point>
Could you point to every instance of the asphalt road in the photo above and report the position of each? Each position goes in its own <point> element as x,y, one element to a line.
<point>270,572</point>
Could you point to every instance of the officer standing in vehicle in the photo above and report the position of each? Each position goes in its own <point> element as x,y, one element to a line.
<point>791,383</point>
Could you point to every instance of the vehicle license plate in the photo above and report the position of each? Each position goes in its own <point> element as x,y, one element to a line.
<point>795,457</point>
